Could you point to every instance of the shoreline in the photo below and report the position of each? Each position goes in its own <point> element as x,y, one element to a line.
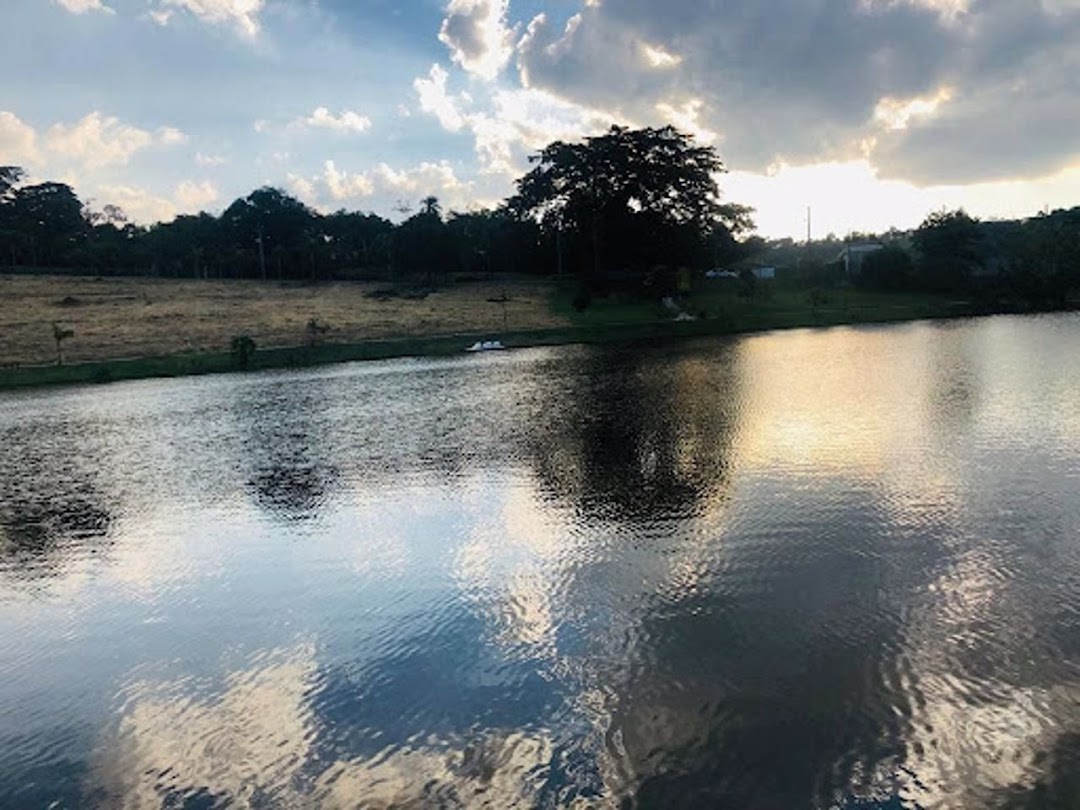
<point>443,345</point>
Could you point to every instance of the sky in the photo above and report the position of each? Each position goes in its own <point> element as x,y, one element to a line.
<point>866,113</point>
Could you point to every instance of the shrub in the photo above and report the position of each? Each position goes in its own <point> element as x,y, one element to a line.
<point>60,334</point>
<point>243,349</point>
<point>315,329</point>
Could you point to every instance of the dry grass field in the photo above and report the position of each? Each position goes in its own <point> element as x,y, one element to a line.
<point>142,317</point>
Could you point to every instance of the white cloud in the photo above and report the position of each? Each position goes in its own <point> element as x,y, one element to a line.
<point>344,186</point>
<point>196,196</point>
<point>209,160</point>
<point>18,140</point>
<point>97,140</point>
<point>427,178</point>
<point>524,121</point>
<point>83,6</point>
<point>687,117</point>
<point>659,58</point>
<point>139,204</point>
<point>333,186</point>
<point>477,35</point>
<point>435,99</point>
<point>302,188</point>
<point>171,136</point>
<point>896,114</point>
<point>346,121</point>
<point>242,15</point>
<point>142,205</point>
<point>516,121</point>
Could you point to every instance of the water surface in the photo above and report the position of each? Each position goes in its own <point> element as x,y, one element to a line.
<point>834,568</point>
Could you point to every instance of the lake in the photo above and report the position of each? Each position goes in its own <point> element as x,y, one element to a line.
<point>814,569</point>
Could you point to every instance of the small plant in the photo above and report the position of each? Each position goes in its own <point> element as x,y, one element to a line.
<point>243,349</point>
<point>315,329</point>
<point>60,334</point>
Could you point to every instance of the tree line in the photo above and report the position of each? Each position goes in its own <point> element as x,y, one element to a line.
<point>267,234</point>
<point>621,203</point>
<point>626,208</point>
<point>1033,262</point>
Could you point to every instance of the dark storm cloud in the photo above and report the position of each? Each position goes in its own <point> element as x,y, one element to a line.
<point>1015,111</point>
<point>800,80</point>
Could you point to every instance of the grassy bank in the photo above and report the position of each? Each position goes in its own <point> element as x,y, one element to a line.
<point>116,318</point>
<point>720,308</point>
<point>717,312</point>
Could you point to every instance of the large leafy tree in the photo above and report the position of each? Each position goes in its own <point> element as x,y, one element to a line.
<point>49,218</point>
<point>10,240</point>
<point>948,246</point>
<point>628,199</point>
<point>358,240</point>
<point>422,243</point>
<point>1045,254</point>
<point>273,228</point>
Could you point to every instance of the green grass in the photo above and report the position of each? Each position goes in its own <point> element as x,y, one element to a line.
<point>619,308</point>
<point>773,307</point>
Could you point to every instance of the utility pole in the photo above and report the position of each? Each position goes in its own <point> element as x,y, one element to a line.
<point>808,224</point>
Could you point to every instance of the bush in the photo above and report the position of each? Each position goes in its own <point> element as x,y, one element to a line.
<point>243,349</point>
<point>315,329</point>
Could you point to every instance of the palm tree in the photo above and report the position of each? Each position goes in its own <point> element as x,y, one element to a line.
<point>429,206</point>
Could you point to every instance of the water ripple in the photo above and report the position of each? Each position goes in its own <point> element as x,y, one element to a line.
<point>821,569</point>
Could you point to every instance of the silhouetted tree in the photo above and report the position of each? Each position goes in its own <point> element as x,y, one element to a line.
<point>429,206</point>
<point>1043,259</point>
<point>10,238</point>
<point>948,245</point>
<point>628,199</point>
<point>422,243</point>
<point>890,268</point>
<point>356,240</point>
<point>48,217</point>
<point>268,218</point>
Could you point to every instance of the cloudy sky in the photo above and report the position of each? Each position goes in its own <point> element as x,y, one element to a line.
<point>871,112</point>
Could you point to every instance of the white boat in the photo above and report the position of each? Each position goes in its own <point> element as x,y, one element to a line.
<point>486,346</point>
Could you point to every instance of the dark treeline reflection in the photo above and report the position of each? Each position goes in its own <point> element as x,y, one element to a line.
<point>625,435</point>
<point>288,452</point>
<point>52,503</point>
<point>633,435</point>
